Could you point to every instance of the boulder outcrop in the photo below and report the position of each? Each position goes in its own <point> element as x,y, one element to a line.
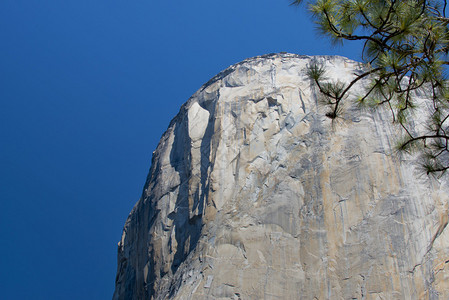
<point>254,193</point>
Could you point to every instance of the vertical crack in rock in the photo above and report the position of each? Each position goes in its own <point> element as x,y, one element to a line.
<point>253,193</point>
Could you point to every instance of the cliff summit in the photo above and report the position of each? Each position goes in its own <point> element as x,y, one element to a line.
<point>254,193</point>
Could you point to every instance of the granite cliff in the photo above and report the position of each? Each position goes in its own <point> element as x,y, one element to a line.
<point>254,194</point>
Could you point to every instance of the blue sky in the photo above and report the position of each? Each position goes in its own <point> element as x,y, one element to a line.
<point>86,90</point>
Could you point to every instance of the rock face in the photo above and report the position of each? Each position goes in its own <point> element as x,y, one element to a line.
<point>254,194</point>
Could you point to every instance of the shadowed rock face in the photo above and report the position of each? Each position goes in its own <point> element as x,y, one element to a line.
<point>254,194</point>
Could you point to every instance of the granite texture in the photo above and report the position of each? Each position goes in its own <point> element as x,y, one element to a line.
<point>254,194</point>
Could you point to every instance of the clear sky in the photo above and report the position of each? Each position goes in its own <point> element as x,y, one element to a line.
<point>87,87</point>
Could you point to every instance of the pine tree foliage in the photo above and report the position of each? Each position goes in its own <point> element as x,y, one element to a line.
<point>405,48</point>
